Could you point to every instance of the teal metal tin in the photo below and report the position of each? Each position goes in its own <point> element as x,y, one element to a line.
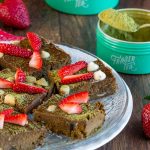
<point>82,7</point>
<point>124,56</point>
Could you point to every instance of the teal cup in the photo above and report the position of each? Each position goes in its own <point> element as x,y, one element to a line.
<point>131,57</point>
<point>81,7</point>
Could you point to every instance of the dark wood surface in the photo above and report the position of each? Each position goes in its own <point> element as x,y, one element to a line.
<point>80,32</point>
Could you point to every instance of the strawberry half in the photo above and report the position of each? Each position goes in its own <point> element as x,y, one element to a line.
<point>14,50</point>
<point>77,78</point>
<point>5,84</point>
<point>25,88</point>
<point>70,108</point>
<point>2,116</point>
<point>79,98</point>
<point>7,112</point>
<point>36,61</point>
<point>19,119</point>
<point>35,41</point>
<point>14,13</point>
<point>20,76</point>
<point>71,69</point>
<point>146,119</point>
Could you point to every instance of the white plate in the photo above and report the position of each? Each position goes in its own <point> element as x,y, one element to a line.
<point>118,112</point>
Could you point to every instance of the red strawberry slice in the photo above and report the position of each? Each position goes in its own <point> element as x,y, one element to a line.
<point>5,84</point>
<point>25,88</point>
<point>7,112</point>
<point>7,37</point>
<point>79,98</point>
<point>70,108</point>
<point>14,50</point>
<point>71,69</point>
<point>34,40</point>
<point>19,119</point>
<point>2,116</point>
<point>77,78</point>
<point>36,61</point>
<point>20,76</point>
<point>14,13</point>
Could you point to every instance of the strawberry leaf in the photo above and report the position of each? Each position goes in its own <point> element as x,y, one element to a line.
<point>147,97</point>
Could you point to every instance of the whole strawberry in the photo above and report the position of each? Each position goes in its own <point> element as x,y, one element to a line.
<point>146,119</point>
<point>14,13</point>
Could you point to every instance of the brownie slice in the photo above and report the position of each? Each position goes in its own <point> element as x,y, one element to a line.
<point>76,126</point>
<point>24,102</point>
<point>58,58</point>
<point>18,137</point>
<point>96,89</point>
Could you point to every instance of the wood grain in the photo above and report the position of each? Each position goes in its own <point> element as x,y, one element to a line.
<point>80,32</point>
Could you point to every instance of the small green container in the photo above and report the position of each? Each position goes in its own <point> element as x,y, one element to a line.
<point>124,56</point>
<point>82,7</point>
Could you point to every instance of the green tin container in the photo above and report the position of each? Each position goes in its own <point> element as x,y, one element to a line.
<point>125,56</point>
<point>82,7</point>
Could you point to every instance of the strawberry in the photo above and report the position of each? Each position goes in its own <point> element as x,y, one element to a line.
<point>70,108</point>
<point>7,112</point>
<point>2,116</point>
<point>7,37</point>
<point>19,119</point>
<point>5,84</point>
<point>34,40</point>
<point>14,13</point>
<point>146,119</point>
<point>25,88</point>
<point>20,76</point>
<point>14,50</point>
<point>81,97</point>
<point>36,61</point>
<point>71,69</point>
<point>77,78</point>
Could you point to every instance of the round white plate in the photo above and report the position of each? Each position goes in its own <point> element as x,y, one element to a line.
<point>118,109</point>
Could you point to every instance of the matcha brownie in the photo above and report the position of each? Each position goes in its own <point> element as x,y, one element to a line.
<point>94,77</point>
<point>71,118</point>
<point>17,137</point>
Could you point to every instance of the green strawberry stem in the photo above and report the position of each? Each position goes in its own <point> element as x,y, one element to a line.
<point>146,100</point>
<point>147,97</point>
<point>1,1</point>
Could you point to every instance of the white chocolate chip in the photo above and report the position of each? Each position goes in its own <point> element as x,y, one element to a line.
<point>92,66</point>
<point>9,99</point>
<point>1,55</point>
<point>65,89</point>
<point>45,54</point>
<point>99,75</point>
<point>30,79</point>
<point>2,92</point>
<point>51,108</point>
<point>42,82</point>
<point>11,79</point>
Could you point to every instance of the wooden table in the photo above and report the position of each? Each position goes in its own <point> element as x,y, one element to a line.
<point>80,32</point>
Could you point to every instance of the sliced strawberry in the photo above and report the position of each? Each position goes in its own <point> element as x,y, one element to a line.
<point>2,116</point>
<point>70,108</point>
<point>14,50</point>
<point>19,119</point>
<point>20,76</point>
<point>71,69</point>
<point>34,40</point>
<point>77,78</point>
<point>25,88</point>
<point>36,61</point>
<point>7,112</point>
<point>79,98</point>
<point>5,84</point>
<point>5,36</point>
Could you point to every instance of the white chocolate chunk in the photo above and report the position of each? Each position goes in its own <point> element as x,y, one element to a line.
<point>45,55</point>
<point>92,66</point>
<point>1,55</point>
<point>65,89</point>
<point>30,79</point>
<point>42,82</point>
<point>9,99</point>
<point>51,108</point>
<point>99,75</point>
<point>2,92</point>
